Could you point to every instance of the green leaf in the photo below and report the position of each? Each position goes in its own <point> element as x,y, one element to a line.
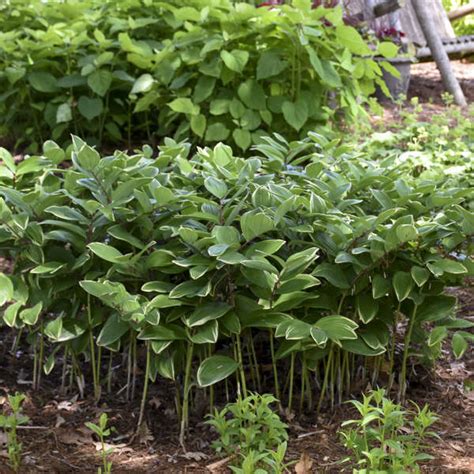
<point>252,95</point>
<point>217,132</point>
<point>349,37</point>
<point>269,65</point>
<point>99,81</point>
<point>105,252</point>
<point>198,124</point>
<point>214,369</point>
<point>439,267</point>
<point>183,105</point>
<point>333,274</point>
<point>6,289</point>
<point>30,315</point>
<point>435,308</point>
<point>206,334</point>
<point>387,49</point>
<point>169,332</point>
<point>143,84</point>
<point>235,60</point>
<point>204,87</point>
<point>88,158</point>
<point>64,113</point>
<point>242,138</point>
<point>324,69</point>
<point>90,108</point>
<point>402,283</point>
<point>42,81</point>
<point>255,224</point>
<point>337,328</point>
<point>113,329</point>
<point>10,314</point>
<point>296,114</point>
<point>215,186</point>
<point>207,312</point>
<point>459,345</point>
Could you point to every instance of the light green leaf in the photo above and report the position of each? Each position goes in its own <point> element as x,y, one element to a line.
<point>252,95</point>
<point>207,312</point>
<point>64,113</point>
<point>235,60</point>
<point>6,289</point>
<point>105,252</point>
<point>459,345</point>
<point>113,329</point>
<point>183,105</point>
<point>143,84</point>
<point>30,315</point>
<point>215,186</point>
<point>337,328</point>
<point>296,114</point>
<point>269,65</point>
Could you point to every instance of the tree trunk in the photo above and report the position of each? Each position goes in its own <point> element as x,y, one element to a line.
<point>422,9</point>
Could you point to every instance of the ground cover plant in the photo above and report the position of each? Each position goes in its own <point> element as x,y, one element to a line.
<point>126,71</point>
<point>309,257</point>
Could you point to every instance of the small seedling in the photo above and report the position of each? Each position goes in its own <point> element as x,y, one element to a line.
<point>10,423</point>
<point>250,427</point>
<point>386,437</point>
<point>103,432</point>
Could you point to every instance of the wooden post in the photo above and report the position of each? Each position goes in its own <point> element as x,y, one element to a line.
<point>461,12</point>
<point>423,13</point>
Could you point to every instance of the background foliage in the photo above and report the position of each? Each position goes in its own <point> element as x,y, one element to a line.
<point>132,70</point>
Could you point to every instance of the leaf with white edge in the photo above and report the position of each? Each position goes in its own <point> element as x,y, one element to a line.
<point>420,275</point>
<point>207,312</point>
<point>6,289</point>
<point>105,252</point>
<point>367,307</point>
<point>214,369</point>
<point>403,284</point>
<point>215,186</point>
<point>406,232</point>
<point>459,345</point>
<point>337,328</point>
<point>255,224</point>
<point>380,286</point>
<point>319,336</point>
<point>30,315</point>
<point>11,313</point>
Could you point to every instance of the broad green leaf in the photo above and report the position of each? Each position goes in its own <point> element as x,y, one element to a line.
<point>319,336</point>
<point>198,124</point>
<point>333,274</point>
<point>435,308</point>
<point>255,224</point>
<point>99,81</point>
<point>439,267</point>
<point>184,105</point>
<point>406,232</point>
<point>42,81</point>
<point>324,69</point>
<point>217,132</point>
<point>143,84</point>
<point>367,307</point>
<point>235,60</point>
<point>387,49</point>
<point>295,113</point>
<point>252,95</point>
<point>168,332</point>
<point>206,334</point>
<point>242,138</point>
<point>64,113</point>
<point>90,108</point>
<point>380,286</point>
<point>113,329</point>
<point>349,37</point>
<point>11,313</point>
<point>214,369</point>
<point>269,65</point>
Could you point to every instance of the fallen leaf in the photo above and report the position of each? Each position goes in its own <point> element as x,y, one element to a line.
<point>194,456</point>
<point>59,421</point>
<point>144,434</point>
<point>155,402</point>
<point>3,439</point>
<point>68,436</point>
<point>218,466</point>
<point>115,448</point>
<point>303,466</point>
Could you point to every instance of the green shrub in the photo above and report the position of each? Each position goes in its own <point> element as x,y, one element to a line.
<point>386,437</point>
<point>128,71</point>
<point>306,256</point>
